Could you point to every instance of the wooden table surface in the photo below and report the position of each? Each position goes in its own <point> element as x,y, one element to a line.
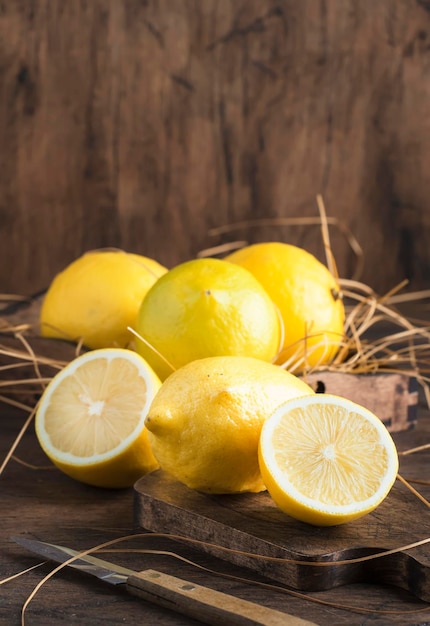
<point>45,504</point>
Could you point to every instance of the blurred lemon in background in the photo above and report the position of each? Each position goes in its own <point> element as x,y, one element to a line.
<point>206,307</point>
<point>204,423</point>
<point>307,295</point>
<point>97,296</point>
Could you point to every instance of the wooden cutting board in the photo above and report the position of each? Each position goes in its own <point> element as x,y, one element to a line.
<point>298,555</point>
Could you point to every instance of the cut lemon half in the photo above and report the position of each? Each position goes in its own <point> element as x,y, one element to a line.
<point>326,460</point>
<point>90,419</point>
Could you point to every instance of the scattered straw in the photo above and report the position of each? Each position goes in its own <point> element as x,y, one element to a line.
<point>12,297</point>
<point>151,347</point>
<point>301,562</point>
<point>286,221</point>
<point>414,450</point>
<point>416,481</point>
<point>331,263</point>
<point>18,574</point>
<point>16,404</point>
<point>17,440</point>
<point>31,465</point>
<point>105,548</point>
<point>378,338</point>
<point>413,490</point>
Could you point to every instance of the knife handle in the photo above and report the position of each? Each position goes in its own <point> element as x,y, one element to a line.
<point>205,604</point>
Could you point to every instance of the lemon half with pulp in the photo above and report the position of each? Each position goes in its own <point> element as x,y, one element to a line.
<point>326,460</point>
<point>90,419</point>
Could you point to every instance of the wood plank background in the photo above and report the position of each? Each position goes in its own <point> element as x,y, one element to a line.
<point>144,124</point>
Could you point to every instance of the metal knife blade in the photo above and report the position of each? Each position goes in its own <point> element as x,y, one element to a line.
<point>109,572</point>
<point>202,603</point>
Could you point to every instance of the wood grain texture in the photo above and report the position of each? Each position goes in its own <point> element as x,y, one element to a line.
<point>46,504</point>
<point>242,526</point>
<point>144,124</point>
<point>392,397</point>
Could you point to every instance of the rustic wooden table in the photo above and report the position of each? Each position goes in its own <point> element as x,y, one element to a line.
<point>45,504</point>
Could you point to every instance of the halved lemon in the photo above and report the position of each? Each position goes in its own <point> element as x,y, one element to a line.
<point>326,460</point>
<point>90,419</point>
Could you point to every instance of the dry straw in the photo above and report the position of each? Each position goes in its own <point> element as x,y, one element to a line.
<point>105,547</point>
<point>378,338</point>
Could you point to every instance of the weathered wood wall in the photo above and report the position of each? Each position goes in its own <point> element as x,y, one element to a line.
<point>142,124</point>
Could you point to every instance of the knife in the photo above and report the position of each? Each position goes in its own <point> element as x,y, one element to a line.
<point>202,603</point>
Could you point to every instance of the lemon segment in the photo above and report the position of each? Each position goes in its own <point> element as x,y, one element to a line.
<point>205,422</point>
<point>90,419</point>
<point>96,298</point>
<point>203,308</point>
<point>307,296</point>
<point>326,460</point>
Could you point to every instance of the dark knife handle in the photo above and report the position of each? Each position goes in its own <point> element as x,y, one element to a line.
<point>205,604</point>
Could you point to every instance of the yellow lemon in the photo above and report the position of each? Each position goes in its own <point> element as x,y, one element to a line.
<point>97,296</point>
<point>90,419</point>
<point>326,460</point>
<point>206,307</point>
<point>205,422</point>
<point>308,298</point>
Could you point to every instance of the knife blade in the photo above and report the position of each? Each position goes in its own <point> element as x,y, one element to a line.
<point>202,603</point>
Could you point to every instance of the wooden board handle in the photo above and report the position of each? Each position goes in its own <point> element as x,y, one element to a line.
<point>204,604</point>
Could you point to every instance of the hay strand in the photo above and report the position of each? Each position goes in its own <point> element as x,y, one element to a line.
<point>404,347</point>
<point>17,440</point>
<point>105,547</point>
<point>331,263</point>
<point>294,222</point>
<point>416,493</point>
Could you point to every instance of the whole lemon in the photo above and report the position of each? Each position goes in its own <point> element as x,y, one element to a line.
<point>97,296</point>
<point>307,295</point>
<point>206,307</point>
<point>204,423</point>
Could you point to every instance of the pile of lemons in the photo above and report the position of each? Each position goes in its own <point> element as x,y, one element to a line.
<point>194,370</point>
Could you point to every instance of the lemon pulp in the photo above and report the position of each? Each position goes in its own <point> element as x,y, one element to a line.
<point>326,460</point>
<point>90,419</point>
